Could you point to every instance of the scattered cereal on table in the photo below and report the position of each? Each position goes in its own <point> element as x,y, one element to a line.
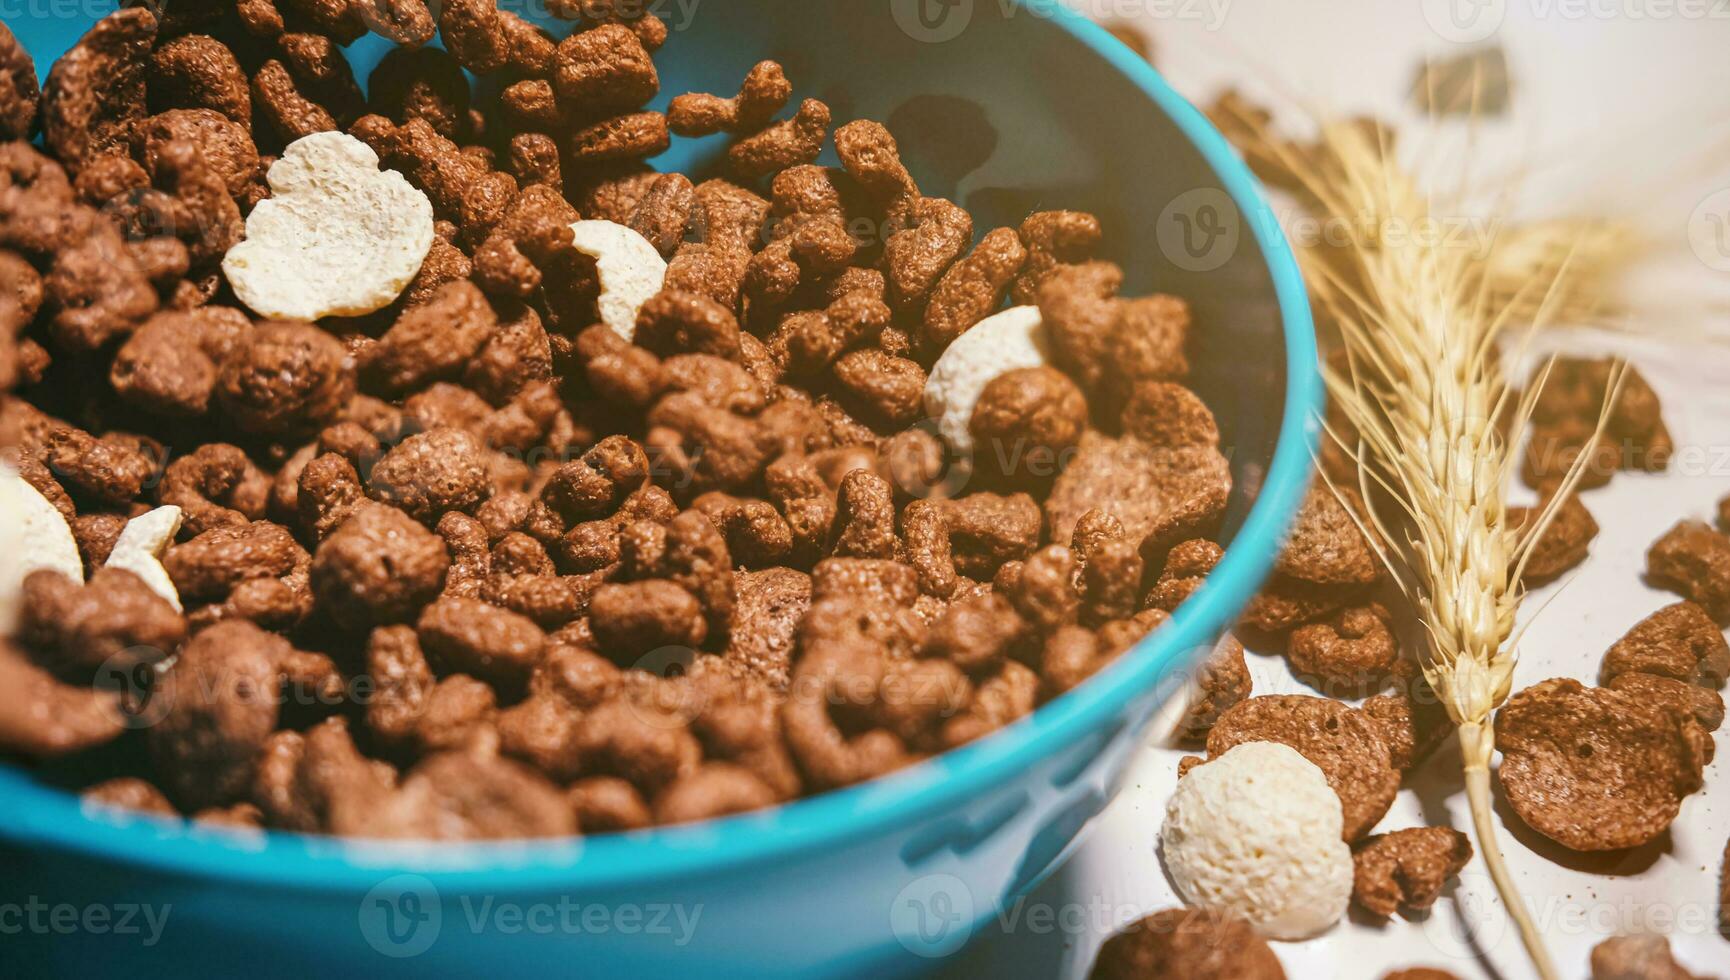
<point>1190,943</point>
<point>1596,769</point>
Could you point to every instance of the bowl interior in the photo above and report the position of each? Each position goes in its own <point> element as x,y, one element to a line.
<point>1020,107</point>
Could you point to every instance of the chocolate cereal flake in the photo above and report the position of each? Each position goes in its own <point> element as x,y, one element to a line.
<point>1565,418</point>
<point>1679,641</point>
<point>1326,545</point>
<point>1595,769</point>
<point>1192,943</point>
<point>1354,647</point>
<point>1342,741</point>
<point>1707,706</point>
<point>1141,486</point>
<point>1693,560</point>
<point>1406,868</point>
<point>1223,680</point>
<point>1564,543</point>
<point>1637,958</point>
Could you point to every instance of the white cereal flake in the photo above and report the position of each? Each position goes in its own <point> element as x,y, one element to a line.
<point>34,536</point>
<point>1008,341</point>
<point>337,237</point>
<point>140,546</point>
<point>629,268</point>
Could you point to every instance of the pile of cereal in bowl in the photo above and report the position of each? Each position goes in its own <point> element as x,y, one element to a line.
<point>408,465</point>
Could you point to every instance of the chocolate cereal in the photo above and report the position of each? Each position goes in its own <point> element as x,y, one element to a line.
<point>1188,943</point>
<point>1679,641</point>
<point>1406,868</point>
<point>620,508</point>
<point>1595,769</point>
<point>1693,560</point>
<point>1342,741</point>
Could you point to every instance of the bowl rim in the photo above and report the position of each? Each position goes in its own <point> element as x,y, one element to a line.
<point>40,816</point>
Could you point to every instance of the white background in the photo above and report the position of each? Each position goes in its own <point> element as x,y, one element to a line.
<point>1621,109</point>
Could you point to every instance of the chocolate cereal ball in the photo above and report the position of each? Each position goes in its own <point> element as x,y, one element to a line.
<point>284,379</point>
<point>431,473</point>
<point>1026,419</point>
<point>380,566</point>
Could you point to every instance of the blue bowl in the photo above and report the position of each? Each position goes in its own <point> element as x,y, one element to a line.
<point>1005,108</point>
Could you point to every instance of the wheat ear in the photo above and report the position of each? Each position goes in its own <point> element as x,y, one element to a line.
<point>1419,318</point>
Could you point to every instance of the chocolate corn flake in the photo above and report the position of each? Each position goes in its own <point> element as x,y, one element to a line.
<point>1596,769</point>
<point>1693,560</point>
<point>1193,943</point>
<point>1343,742</point>
<point>1406,868</point>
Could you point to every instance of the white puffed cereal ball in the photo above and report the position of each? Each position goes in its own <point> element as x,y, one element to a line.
<point>337,237</point>
<point>1257,832</point>
<point>1008,341</point>
<point>629,268</point>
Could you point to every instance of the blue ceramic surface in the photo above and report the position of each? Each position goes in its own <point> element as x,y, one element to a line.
<point>1004,107</point>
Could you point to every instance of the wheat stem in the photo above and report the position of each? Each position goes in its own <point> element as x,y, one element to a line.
<point>1477,745</point>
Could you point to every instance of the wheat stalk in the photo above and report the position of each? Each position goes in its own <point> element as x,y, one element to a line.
<point>1419,318</point>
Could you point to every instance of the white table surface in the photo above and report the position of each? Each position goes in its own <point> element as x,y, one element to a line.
<point>1621,107</point>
